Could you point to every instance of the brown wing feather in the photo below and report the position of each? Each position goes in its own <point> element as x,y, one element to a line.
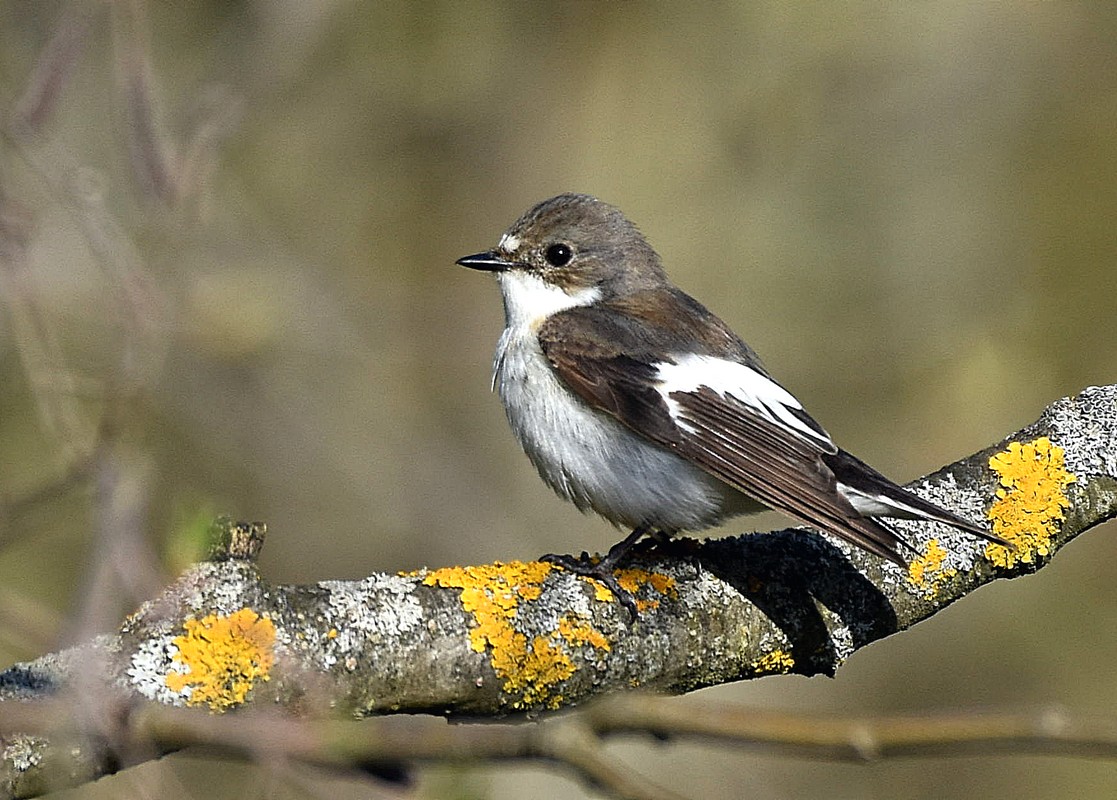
<point>727,439</point>
<point>780,469</point>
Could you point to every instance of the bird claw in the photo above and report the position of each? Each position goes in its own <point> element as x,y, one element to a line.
<point>598,570</point>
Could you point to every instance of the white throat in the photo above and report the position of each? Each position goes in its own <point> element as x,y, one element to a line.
<point>529,300</point>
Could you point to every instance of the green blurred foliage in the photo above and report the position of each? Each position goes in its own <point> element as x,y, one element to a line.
<point>906,208</point>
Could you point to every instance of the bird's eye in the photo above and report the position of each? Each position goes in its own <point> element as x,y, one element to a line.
<point>558,255</point>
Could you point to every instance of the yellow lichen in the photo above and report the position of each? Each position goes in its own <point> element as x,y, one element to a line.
<point>544,665</point>
<point>928,572</point>
<point>632,580</point>
<point>1030,502</point>
<point>578,632</point>
<point>224,657</point>
<point>601,592</point>
<point>529,669</point>
<point>777,661</point>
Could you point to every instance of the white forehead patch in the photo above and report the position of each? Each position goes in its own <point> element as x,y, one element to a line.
<point>509,243</point>
<point>732,379</point>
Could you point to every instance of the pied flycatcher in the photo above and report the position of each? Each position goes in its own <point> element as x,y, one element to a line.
<point>633,400</point>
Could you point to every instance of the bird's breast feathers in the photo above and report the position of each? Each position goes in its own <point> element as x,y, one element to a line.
<point>593,459</point>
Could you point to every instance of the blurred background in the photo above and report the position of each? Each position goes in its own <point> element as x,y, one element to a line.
<point>227,235</point>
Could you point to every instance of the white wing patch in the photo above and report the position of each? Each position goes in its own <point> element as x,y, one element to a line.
<point>877,505</point>
<point>733,379</point>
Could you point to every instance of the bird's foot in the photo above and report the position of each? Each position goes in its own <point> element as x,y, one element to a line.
<point>600,570</point>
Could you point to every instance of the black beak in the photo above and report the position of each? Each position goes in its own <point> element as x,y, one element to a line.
<point>490,261</point>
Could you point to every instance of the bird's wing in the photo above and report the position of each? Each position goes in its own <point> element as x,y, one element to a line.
<point>714,408</point>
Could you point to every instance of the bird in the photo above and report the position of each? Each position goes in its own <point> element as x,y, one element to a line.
<point>633,401</point>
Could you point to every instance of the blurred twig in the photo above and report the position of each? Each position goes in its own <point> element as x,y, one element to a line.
<point>121,557</point>
<point>27,624</point>
<point>43,91</point>
<point>14,507</point>
<point>1053,731</point>
<point>574,742</point>
<point>52,383</point>
<point>214,120</point>
<point>90,448</point>
<point>140,306</point>
<point>153,163</point>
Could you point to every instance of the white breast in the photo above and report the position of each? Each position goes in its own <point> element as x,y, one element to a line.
<point>589,458</point>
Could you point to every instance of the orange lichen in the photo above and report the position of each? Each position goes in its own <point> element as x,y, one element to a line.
<point>775,662</point>
<point>529,669</point>
<point>928,572</point>
<point>1030,502</point>
<point>224,656</point>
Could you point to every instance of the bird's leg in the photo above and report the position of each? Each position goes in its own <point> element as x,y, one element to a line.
<point>660,536</point>
<point>603,570</point>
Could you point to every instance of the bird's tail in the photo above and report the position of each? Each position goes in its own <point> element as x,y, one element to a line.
<point>874,495</point>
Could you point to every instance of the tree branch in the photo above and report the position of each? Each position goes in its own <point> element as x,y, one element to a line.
<point>507,638</point>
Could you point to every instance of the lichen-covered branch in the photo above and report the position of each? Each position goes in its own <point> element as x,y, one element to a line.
<point>499,639</point>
